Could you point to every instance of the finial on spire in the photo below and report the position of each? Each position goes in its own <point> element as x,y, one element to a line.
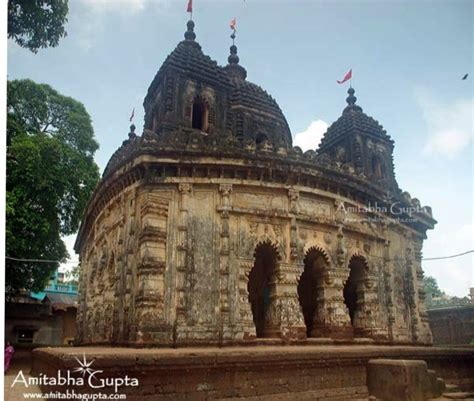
<point>189,34</point>
<point>233,58</point>
<point>131,134</point>
<point>351,99</point>
<point>351,102</point>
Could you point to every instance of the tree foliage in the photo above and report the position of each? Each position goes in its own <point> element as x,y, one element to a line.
<point>431,290</point>
<point>35,24</point>
<point>50,176</point>
<point>431,287</point>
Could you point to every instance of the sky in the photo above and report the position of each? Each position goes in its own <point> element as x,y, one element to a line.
<point>407,58</point>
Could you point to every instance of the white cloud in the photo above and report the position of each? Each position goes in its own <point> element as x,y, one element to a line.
<point>450,126</point>
<point>87,17</point>
<point>310,138</point>
<point>122,6</point>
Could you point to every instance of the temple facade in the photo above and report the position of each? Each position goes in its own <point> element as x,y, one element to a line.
<point>211,228</point>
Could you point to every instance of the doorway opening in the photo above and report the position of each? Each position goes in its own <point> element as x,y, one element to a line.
<point>315,264</point>
<point>261,285</point>
<point>354,288</point>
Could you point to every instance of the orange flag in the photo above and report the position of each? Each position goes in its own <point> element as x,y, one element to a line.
<point>233,24</point>
<point>346,77</point>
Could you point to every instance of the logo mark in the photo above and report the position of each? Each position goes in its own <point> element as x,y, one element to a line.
<point>84,366</point>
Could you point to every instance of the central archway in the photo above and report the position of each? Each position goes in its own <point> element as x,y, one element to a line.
<point>261,286</point>
<point>315,263</point>
<point>354,288</point>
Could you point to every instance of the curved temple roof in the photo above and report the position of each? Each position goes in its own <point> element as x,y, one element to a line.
<point>354,120</point>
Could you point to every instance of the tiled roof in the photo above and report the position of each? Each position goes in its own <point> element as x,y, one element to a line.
<point>189,57</point>
<point>253,96</point>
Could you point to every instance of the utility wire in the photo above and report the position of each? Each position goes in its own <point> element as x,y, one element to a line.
<point>450,257</point>
<point>373,256</point>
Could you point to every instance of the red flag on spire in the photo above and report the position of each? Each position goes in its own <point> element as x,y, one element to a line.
<point>346,77</point>
<point>233,24</point>
<point>190,6</point>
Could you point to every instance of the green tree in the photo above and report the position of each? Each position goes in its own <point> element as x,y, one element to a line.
<point>432,291</point>
<point>431,286</point>
<point>34,24</point>
<point>51,174</point>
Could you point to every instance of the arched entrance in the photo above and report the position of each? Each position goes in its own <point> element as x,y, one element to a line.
<point>315,264</point>
<point>354,288</point>
<point>261,286</point>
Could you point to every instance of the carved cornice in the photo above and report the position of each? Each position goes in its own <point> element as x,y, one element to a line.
<point>152,234</point>
<point>294,169</point>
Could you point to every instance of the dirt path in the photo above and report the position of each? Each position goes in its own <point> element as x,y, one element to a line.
<point>15,393</point>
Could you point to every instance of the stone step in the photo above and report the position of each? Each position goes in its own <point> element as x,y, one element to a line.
<point>452,388</point>
<point>459,395</point>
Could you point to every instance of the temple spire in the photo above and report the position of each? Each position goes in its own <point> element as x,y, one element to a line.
<point>236,71</point>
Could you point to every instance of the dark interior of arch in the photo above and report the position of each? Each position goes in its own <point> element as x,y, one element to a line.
<point>199,115</point>
<point>357,267</point>
<point>259,285</point>
<point>377,167</point>
<point>314,265</point>
<point>260,139</point>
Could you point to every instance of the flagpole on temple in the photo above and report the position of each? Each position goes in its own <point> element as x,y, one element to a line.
<point>189,9</point>
<point>233,24</point>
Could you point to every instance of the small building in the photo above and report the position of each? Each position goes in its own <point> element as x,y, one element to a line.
<point>452,325</point>
<point>44,318</point>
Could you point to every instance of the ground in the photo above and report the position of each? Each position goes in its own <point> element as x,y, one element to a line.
<point>21,362</point>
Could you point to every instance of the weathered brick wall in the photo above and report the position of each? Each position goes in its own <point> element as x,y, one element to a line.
<point>256,373</point>
<point>452,325</point>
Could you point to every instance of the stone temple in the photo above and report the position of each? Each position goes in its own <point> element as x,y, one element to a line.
<point>211,228</point>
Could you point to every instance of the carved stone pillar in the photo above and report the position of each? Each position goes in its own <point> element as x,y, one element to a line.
<point>412,295</point>
<point>91,295</point>
<point>293,196</point>
<point>332,317</point>
<point>127,310</point>
<point>245,328</point>
<point>367,320</point>
<point>152,326</point>
<point>389,295</point>
<point>225,329</point>
<point>424,335</point>
<point>81,319</point>
<point>108,297</point>
<point>285,318</point>
<point>182,254</point>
